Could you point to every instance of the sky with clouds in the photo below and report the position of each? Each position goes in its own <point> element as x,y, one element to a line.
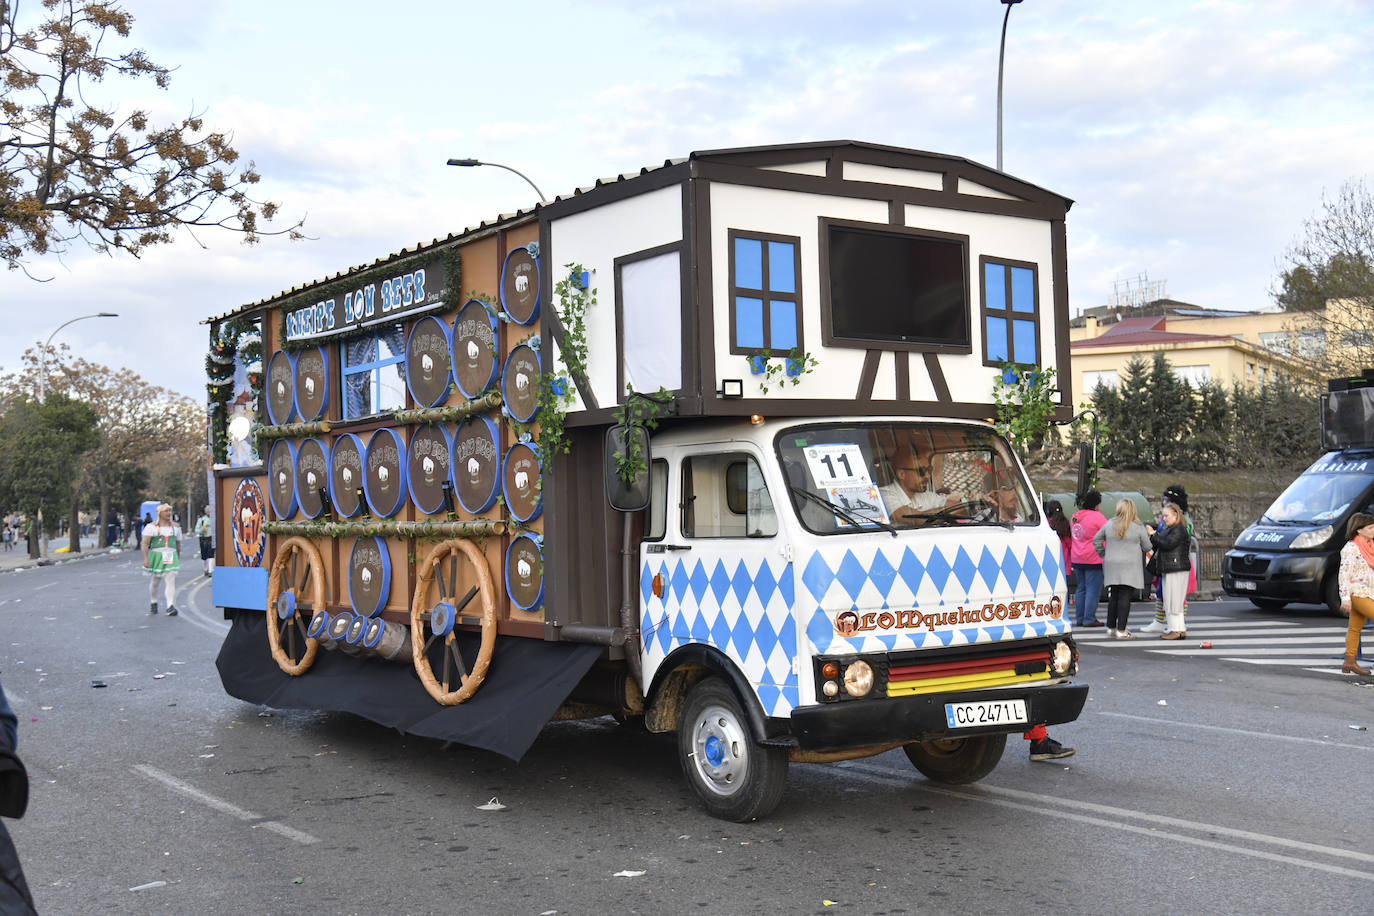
<point>1194,138</point>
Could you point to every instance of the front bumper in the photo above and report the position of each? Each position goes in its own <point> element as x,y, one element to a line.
<point>1280,576</point>
<point>922,717</point>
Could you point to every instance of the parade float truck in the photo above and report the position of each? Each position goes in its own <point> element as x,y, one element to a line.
<point>1292,553</point>
<point>636,452</point>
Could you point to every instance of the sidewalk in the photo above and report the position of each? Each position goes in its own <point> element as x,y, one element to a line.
<point>18,558</point>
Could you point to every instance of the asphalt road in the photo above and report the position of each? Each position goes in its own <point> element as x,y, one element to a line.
<point>1217,782</point>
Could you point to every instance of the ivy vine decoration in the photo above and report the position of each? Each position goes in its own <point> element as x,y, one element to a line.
<point>1024,397</point>
<point>789,370</point>
<point>556,395</point>
<point>640,411</point>
<point>237,339</point>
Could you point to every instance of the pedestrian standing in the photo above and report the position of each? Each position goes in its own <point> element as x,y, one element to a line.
<point>1087,565</point>
<point>162,557</point>
<point>1122,543</point>
<point>1171,560</point>
<point>207,545</point>
<point>1054,513</point>
<point>15,898</point>
<point>1356,582</point>
<point>1175,494</point>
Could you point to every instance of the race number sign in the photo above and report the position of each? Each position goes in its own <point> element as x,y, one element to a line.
<point>840,470</point>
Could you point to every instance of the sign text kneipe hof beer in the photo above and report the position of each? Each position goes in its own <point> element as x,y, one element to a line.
<point>416,290</point>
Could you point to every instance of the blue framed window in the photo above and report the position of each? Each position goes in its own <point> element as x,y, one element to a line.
<point>374,372</point>
<point>765,293</point>
<point>1011,312</point>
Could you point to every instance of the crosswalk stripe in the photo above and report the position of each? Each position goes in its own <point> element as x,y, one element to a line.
<point>1316,633</point>
<point>1229,650</point>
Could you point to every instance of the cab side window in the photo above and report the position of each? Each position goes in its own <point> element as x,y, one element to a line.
<point>725,496</point>
<point>658,500</point>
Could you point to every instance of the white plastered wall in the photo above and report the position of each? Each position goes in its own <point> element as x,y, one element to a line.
<point>837,375</point>
<point>594,239</point>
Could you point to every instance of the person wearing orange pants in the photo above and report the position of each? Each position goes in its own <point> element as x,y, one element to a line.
<point>1356,582</point>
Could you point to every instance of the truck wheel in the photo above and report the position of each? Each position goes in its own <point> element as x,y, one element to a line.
<point>735,778</point>
<point>956,760</point>
<point>1269,604</point>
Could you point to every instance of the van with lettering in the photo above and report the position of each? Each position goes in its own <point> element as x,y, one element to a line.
<point>700,448</point>
<point>1291,554</point>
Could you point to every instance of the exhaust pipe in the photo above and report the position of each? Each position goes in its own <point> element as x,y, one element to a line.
<point>388,641</point>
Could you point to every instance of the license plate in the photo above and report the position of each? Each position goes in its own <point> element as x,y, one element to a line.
<point>986,712</point>
<point>1245,585</point>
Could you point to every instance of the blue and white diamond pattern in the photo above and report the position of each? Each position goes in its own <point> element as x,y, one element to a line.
<point>939,574</point>
<point>742,605</point>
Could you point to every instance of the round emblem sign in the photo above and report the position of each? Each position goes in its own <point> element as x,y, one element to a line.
<point>312,383</point>
<point>428,361</point>
<point>520,286</point>
<point>384,473</point>
<point>525,572</point>
<point>281,386</point>
<point>520,383</point>
<point>250,540</point>
<point>520,482</point>
<point>474,348</point>
<point>431,450</point>
<point>281,478</point>
<point>346,475</point>
<point>369,576</point>
<point>312,476</point>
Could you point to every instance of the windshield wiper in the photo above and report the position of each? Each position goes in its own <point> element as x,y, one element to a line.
<point>857,521</point>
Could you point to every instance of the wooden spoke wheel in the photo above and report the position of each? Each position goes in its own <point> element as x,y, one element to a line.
<point>295,592</point>
<point>454,589</point>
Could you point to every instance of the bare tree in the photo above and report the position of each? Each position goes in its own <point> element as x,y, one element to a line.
<point>76,172</point>
<point>1331,269</point>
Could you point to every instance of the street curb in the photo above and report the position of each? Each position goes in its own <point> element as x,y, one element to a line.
<point>72,558</point>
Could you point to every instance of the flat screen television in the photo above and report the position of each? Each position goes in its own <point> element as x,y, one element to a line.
<point>1348,418</point>
<point>897,287</point>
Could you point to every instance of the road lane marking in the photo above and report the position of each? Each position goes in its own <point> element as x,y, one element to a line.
<point>1270,736</point>
<point>1053,806</point>
<point>223,806</point>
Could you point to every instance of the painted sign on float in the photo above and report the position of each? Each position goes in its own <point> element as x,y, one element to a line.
<point>383,300</point>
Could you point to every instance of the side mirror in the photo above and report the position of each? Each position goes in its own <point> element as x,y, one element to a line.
<point>626,468</point>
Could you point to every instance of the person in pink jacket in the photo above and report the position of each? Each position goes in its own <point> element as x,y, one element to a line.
<point>1087,565</point>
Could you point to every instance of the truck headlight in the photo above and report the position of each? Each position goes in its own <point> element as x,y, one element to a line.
<point>1309,539</point>
<point>858,679</point>
<point>1061,658</point>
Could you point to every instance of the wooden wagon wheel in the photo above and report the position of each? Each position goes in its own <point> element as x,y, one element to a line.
<point>295,591</point>
<point>454,584</point>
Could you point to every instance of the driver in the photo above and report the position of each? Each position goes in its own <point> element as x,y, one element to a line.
<point>912,492</point>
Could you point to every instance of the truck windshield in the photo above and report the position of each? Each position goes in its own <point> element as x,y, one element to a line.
<point>1317,498</point>
<point>843,477</point>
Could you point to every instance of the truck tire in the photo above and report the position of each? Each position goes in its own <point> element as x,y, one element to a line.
<point>957,761</point>
<point>1269,604</point>
<point>735,778</point>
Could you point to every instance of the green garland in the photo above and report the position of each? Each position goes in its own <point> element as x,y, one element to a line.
<point>338,288</point>
<point>237,338</point>
<point>480,527</point>
<point>556,391</point>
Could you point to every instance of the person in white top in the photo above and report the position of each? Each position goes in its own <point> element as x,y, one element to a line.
<point>1356,582</point>
<point>912,492</point>
<point>162,557</point>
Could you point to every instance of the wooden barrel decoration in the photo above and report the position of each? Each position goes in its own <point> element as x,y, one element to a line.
<point>430,457</point>
<point>312,384</point>
<point>281,388</point>
<point>520,383</point>
<point>520,286</point>
<point>477,464</point>
<point>429,358</point>
<point>369,576</point>
<point>384,473</point>
<point>525,572</point>
<point>474,349</point>
<point>312,476</point>
<point>346,475</point>
<point>520,481</point>
<point>281,478</point>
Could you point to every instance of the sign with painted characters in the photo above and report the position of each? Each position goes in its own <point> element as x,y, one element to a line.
<point>418,290</point>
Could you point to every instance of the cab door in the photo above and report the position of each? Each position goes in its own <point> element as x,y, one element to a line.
<point>719,574</point>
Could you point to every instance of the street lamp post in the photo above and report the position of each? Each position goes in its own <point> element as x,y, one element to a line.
<point>43,397</point>
<point>1002,53</point>
<point>473,162</point>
